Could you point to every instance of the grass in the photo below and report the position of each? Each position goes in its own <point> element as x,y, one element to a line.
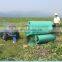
<point>49,51</point>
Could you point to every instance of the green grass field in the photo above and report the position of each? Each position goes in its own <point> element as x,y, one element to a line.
<point>49,51</point>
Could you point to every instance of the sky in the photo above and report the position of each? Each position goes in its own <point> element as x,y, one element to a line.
<point>43,6</point>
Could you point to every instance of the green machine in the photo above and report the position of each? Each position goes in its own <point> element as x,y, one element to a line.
<point>40,32</point>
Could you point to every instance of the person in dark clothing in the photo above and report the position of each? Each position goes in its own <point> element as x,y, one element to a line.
<point>13,34</point>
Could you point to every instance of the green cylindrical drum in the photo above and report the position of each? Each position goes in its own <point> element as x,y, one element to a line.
<point>45,38</point>
<point>39,27</point>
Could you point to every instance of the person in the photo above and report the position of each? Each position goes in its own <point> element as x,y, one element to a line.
<point>11,33</point>
<point>56,23</point>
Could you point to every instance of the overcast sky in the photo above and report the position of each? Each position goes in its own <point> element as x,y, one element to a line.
<point>44,6</point>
